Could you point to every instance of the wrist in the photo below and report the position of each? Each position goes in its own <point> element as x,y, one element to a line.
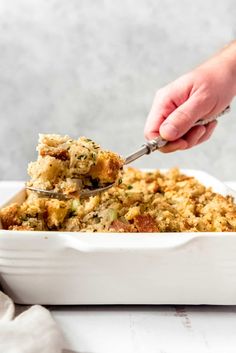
<point>223,66</point>
<point>227,58</point>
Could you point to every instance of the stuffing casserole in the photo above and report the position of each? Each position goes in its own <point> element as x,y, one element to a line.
<point>138,202</point>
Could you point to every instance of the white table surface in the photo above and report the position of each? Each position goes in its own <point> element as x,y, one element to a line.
<point>142,329</point>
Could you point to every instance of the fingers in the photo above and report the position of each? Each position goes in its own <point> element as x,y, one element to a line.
<point>209,131</point>
<point>162,106</point>
<point>182,119</point>
<point>166,102</point>
<point>175,110</point>
<point>193,137</point>
<point>179,144</point>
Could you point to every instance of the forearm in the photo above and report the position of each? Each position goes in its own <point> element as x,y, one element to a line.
<point>225,61</point>
<point>229,54</point>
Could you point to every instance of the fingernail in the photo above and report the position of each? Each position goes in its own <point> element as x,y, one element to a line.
<point>169,131</point>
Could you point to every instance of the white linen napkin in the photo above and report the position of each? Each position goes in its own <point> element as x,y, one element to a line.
<point>33,331</point>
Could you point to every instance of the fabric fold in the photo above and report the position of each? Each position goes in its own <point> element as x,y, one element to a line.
<point>33,331</point>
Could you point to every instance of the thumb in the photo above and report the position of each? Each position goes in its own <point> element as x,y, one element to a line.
<point>183,118</point>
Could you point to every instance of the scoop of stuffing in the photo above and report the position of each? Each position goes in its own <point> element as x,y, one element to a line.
<point>67,165</point>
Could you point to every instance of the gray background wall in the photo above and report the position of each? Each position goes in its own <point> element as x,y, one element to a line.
<point>90,67</point>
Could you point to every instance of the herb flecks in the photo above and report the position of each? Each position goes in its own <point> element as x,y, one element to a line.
<point>119,181</point>
<point>82,157</point>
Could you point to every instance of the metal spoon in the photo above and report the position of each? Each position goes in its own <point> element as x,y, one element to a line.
<point>77,194</point>
<point>146,148</point>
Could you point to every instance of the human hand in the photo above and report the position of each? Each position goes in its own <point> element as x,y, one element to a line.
<point>200,94</point>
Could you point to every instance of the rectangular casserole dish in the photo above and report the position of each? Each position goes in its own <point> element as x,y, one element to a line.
<point>114,268</point>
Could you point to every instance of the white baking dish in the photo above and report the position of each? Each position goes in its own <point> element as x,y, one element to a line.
<point>83,268</point>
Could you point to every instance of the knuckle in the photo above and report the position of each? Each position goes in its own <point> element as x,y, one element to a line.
<point>160,92</point>
<point>157,95</point>
<point>160,96</point>
<point>205,98</point>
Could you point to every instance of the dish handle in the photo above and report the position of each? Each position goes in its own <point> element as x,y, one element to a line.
<point>140,242</point>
